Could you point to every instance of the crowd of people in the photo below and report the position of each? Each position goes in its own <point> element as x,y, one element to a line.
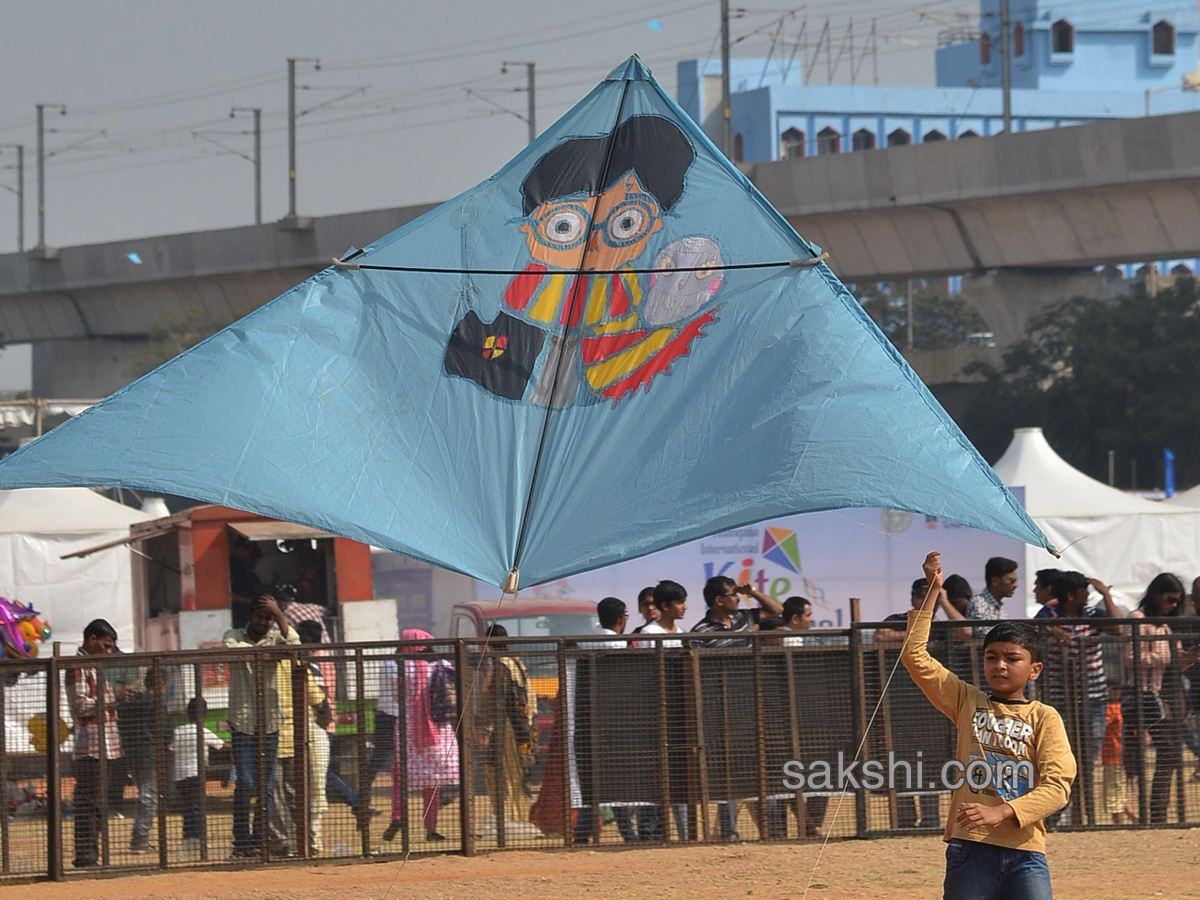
<point>1125,693</point>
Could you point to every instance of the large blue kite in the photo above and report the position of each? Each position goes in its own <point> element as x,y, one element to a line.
<point>612,346</point>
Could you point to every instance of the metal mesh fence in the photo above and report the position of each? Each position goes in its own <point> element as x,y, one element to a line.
<point>202,757</point>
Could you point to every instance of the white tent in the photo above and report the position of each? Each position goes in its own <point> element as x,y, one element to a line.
<point>1187,498</point>
<point>39,525</point>
<point>1102,532</point>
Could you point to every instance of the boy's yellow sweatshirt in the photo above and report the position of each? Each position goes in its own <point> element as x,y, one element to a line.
<point>1016,732</point>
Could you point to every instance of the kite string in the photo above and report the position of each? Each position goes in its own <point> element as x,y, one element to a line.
<point>862,743</point>
<point>886,534</point>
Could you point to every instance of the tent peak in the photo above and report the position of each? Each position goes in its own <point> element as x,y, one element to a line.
<point>1053,487</point>
<point>633,69</point>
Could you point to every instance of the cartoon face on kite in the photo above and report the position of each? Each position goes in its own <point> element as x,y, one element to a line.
<point>615,223</point>
<point>584,321</point>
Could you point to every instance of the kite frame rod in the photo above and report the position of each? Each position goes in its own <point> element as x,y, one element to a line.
<point>783,264</point>
<point>574,299</point>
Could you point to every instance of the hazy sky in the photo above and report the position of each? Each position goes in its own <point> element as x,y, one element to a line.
<point>406,98</point>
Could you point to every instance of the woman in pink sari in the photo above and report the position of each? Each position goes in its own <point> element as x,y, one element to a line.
<point>432,748</point>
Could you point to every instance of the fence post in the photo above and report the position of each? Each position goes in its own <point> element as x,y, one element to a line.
<point>664,763</point>
<point>262,783</point>
<point>591,799</point>
<point>160,757</point>
<point>496,751</point>
<point>1179,702</point>
<point>696,743</point>
<point>402,746</point>
<point>300,769</point>
<point>4,854</point>
<point>760,723</point>
<point>201,755</point>
<point>360,743</point>
<point>466,747</point>
<point>102,743</point>
<point>857,694</point>
<point>1140,722</point>
<point>800,803</point>
<point>562,720</point>
<point>54,854</point>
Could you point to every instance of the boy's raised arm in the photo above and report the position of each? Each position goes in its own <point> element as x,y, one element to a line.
<point>939,684</point>
<point>933,574</point>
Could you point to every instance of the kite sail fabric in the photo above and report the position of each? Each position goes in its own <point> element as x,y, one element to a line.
<point>612,346</point>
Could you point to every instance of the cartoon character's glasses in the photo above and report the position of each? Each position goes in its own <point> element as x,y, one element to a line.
<point>564,226</point>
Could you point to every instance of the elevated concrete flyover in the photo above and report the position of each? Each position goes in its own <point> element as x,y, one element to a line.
<point>1025,217</point>
<point>85,308</point>
<point>1088,195</point>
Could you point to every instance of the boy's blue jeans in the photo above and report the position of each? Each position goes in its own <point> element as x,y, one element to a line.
<point>976,871</point>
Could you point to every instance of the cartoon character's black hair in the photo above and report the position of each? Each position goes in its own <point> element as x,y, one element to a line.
<point>651,147</point>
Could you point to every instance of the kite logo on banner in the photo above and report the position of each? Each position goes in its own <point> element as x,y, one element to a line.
<point>624,327</point>
<point>781,547</point>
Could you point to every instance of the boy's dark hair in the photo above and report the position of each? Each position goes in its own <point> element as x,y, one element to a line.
<point>196,709</point>
<point>496,630</point>
<point>998,567</point>
<point>956,586</point>
<point>919,587</point>
<point>668,592</point>
<point>610,611</point>
<point>651,147</point>
<point>1046,577</point>
<point>716,586</point>
<point>1065,583</point>
<point>646,594</point>
<point>309,631</point>
<point>99,628</point>
<point>794,606</point>
<point>769,624</point>
<point>1020,633</point>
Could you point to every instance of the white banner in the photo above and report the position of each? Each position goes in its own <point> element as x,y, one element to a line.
<point>829,557</point>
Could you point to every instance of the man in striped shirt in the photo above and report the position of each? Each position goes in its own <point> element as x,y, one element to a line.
<point>1073,680</point>
<point>1000,580</point>
<point>91,700</point>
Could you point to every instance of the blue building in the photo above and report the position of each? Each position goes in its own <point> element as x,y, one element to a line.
<point>1071,62</point>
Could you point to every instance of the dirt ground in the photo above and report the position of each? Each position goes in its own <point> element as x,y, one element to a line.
<point>1096,866</point>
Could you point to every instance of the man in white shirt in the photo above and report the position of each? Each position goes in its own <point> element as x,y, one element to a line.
<point>613,615</point>
<point>670,598</point>
<point>647,608</point>
<point>797,616</point>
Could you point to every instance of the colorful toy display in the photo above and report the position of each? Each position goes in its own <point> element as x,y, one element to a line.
<point>38,735</point>
<point>21,629</point>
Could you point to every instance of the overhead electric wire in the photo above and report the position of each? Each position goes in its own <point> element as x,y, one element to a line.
<point>752,31</point>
